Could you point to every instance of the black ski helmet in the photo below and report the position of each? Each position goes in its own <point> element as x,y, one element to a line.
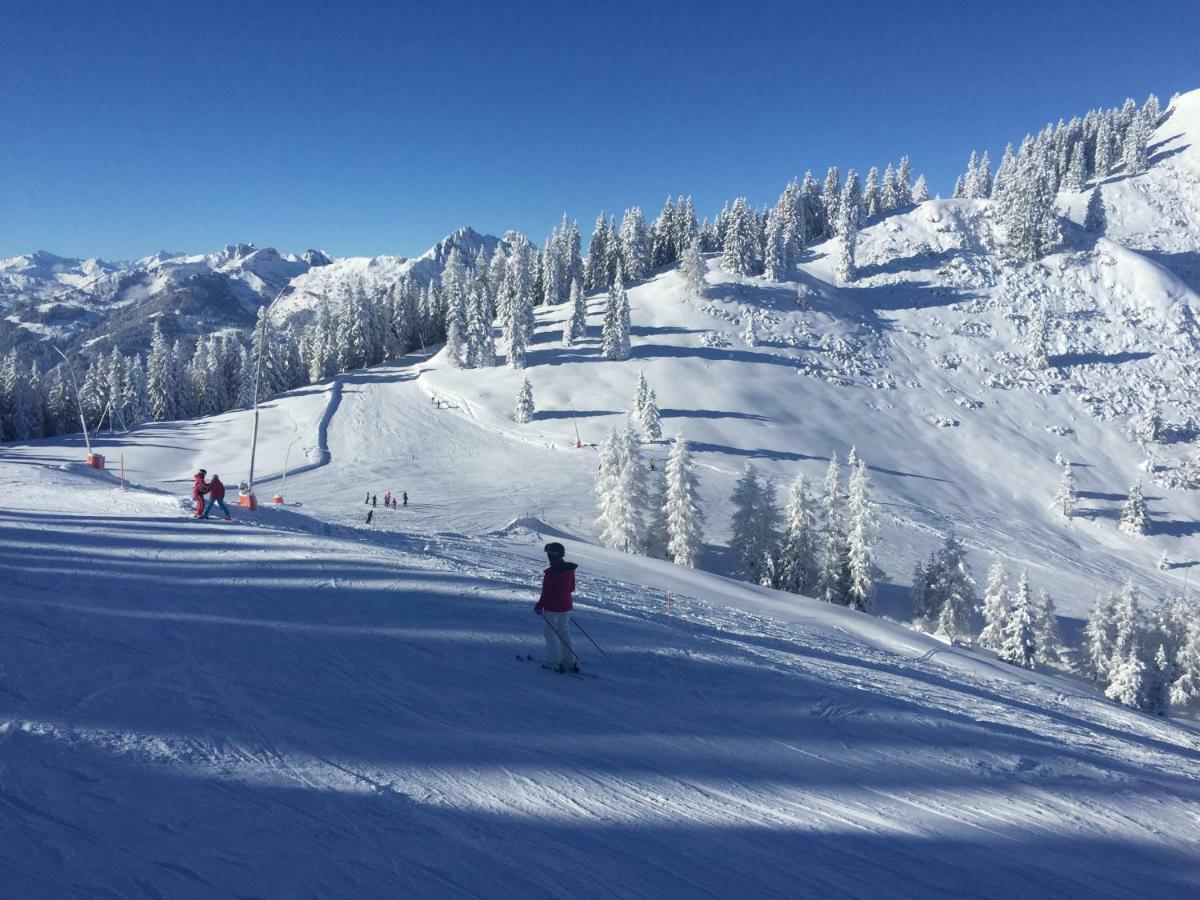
<point>555,549</point>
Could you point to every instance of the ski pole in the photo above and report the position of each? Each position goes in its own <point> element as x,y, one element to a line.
<point>563,640</point>
<point>589,637</point>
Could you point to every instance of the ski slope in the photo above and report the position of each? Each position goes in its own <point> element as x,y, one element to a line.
<point>296,704</point>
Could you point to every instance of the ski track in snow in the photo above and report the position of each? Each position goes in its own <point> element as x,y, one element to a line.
<point>331,711</point>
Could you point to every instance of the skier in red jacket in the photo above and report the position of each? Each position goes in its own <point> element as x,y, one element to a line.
<point>216,497</point>
<point>199,489</point>
<point>554,606</point>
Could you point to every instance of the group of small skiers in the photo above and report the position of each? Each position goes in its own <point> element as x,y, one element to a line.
<point>209,494</point>
<point>390,500</point>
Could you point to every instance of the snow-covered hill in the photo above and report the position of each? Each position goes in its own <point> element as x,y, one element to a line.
<point>300,704</point>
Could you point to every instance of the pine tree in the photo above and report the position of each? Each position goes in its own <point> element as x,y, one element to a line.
<point>1185,689</point>
<point>1076,175</point>
<point>954,590</point>
<point>848,229</point>
<point>1102,158</point>
<point>749,332</point>
<point>1158,700</point>
<point>798,552</point>
<point>524,410</point>
<point>1019,646</point>
<point>860,539</point>
<point>1095,220</point>
<point>635,245</point>
<point>1064,499</point>
<point>1097,656</point>
<point>872,197</point>
<point>596,271</point>
<point>481,342</point>
<point>576,329</point>
<point>681,504</point>
<point>1049,639</point>
<point>1135,515</point>
<point>920,191</point>
<point>157,378</point>
<point>1134,154</point>
<point>739,253</point>
<point>519,289</point>
<point>832,542</point>
<point>1127,623</point>
<point>650,419</point>
<point>1037,339</point>
<point>994,609</point>
<point>692,269</point>
<point>1128,683</point>
<point>641,392</point>
<point>623,493</point>
<point>831,199</point>
<point>755,523</point>
<point>615,340</point>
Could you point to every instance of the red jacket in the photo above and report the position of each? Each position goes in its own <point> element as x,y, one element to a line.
<point>216,490</point>
<point>199,488</point>
<point>558,582</point>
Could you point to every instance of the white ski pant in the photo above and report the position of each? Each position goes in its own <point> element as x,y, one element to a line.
<point>558,638</point>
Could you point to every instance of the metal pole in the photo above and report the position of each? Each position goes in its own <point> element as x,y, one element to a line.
<point>78,399</point>
<point>564,641</point>
<point>589,637</point>
<point>262,340</point>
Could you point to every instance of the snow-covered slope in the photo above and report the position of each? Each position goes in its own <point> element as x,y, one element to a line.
<point>290,705</point>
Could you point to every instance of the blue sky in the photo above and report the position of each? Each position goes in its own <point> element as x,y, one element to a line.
<point>361,129</point>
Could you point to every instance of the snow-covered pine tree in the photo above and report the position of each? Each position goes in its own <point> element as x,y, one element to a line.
<point>1064,498</point>
<point>739,253</point>
<point>596,270</point>
<point>860,539</point>
<point>744,535</point>
<point>798,552</point>
<point>692,269</point>
<point>904,184</point>
<point>650,419</point>
<point>749,332</point>
<point>1095,220</point>
<point>1097,653</point>
<point>1019,646</point>
<point>523,413</point>
<point>577,323</point>
<point>519,288</point>
<point>1134,151</point>
<point>621,492</point>
<point>481,342</point>
<point>686,227</point>
<point>1049,639</point>
<point>456,339</point>
<point>1158,695</point>
<point>1185,689</point>
<point>1135,514</point>
<point>920,191</point>
<point>1127,623</point>
<point>994,608</point>
<point>681,503</point>
<point>954,589</point>
<point>1127,685</point>
<point>831,199</point>
<point>615,339</point>
<point>831,538</point>
<point>872,199</point>
<point>635,245</point>
<point>157,378</point>
<point>845,267</point>
<point>1037,338</point>
<point>888,193</point>
<point>663,247</point>
<point>641,391</point>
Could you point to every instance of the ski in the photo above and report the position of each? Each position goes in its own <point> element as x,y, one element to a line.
<point>529,658</point>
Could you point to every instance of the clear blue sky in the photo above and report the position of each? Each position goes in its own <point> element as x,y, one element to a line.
<point>377,128</point>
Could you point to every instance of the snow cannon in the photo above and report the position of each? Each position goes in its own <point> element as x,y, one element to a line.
<point>246,497</point>
<point>95,460</point>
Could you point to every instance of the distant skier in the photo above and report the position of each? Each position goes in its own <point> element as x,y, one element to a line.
<point>367,502</point>
<point>387,500</point>
<point>370,513</point>
<point>216,497</point>
<point>404,494</point>
<point>554,606</point>
<point>199,489</point>
<point>374,497</point>
<point>652,469</point>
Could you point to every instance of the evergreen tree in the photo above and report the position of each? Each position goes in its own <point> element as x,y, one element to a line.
<point>904,184</point>
<point>1095,220</point>
<point>798,554</point>
<point>596,271</point>
<point>615,340</point>
<point>1128,683</point>
<point>994,609</point>
<point>848,229</point>
<point>645,410</point>
<point>158,386</point>
<point>1064,499</point>
<point>1158,700</point>
<point>1097,656</point>
<point>576,329</point>
<point>519,288</point>
<point>1102,158</point>
<point>1019,646</point>
<point>524,409</point>
<point>860,539</point>
<point>739,253</point>
<point>622,493</point>
<point>1134,153</point>
<point>755,523</point>
<point>1038,339</point>
<point>1049,640</point>
<point>953,589</point>
<point>1185,689</point>
<point>692,268</point>
<point>749,332</point>
<point>481,343</point>
<point>685,519</point>
<point>832,542</point>
<point>920,191</point>
<point>1076,175</point>
<point>872,193</point>
<point>831,198</point>
<point>1126,623</point>
<point>456,338</point>
<point>635,245</point>
<point>1135,515</point>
